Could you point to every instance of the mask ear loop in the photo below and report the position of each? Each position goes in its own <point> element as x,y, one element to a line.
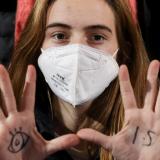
<point>42,50</point>
<point>115,53</point>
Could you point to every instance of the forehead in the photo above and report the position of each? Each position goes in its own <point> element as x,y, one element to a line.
<point>80,12</point>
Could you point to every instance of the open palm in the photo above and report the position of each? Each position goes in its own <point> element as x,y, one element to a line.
<point>19,139</point>
<point>139,139</point>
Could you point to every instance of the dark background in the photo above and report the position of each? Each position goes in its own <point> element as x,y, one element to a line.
<point>149,19</point>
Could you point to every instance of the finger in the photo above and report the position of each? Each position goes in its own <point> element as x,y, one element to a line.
<point>96,137</point>
<point>2,116</point>
<point>151,92</point>
<point>62,143</point>
<point>28,96</point>
<point>127,93</point>
<point>7,91</point>
<point>2,106</point>
<point>157,107</point>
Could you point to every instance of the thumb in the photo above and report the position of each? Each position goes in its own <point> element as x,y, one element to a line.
<point>96,137</point>
<point>61,143</point>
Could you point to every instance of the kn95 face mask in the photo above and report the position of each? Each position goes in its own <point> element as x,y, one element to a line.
<point>77,73</point>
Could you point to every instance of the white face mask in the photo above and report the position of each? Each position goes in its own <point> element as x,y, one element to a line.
<point>77,73</point>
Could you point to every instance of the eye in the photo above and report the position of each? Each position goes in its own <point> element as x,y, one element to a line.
<point>96,38</point>
<point>18,141</point>
<point>60,37</point>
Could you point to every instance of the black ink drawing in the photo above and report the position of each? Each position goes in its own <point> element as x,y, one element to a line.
<point>135,135</point>
<point>150,135</point>
<point>18,141</point>
<point>148,138</point>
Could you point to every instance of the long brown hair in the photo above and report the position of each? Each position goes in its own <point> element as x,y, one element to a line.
<point>107,109</point>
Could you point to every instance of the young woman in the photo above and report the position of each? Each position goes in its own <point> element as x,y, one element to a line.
<point>77,47</point>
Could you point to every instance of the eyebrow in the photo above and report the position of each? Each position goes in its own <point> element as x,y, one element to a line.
<point>99,26</point>
<point>91,27</point>
<point>52,25</point>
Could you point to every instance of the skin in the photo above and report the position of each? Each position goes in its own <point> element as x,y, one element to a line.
<point>71,22</point>
<point>138,140</point>
<point>126,145</point>
<point>13,120</point>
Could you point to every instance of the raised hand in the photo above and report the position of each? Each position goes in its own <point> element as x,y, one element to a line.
<point>19,139</point>
<point>139,139</point>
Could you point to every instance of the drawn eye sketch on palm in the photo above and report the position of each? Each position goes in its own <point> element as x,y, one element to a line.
<point>18,141</point>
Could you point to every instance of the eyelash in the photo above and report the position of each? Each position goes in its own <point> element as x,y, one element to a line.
<point>90,38</point>
<point>55,36</point>
<point>93,38</point>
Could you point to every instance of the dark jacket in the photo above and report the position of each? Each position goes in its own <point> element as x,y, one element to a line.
<point>7,25</point>
<point>149,22</point>
<point>43,116</point>
<point>46,128</point>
